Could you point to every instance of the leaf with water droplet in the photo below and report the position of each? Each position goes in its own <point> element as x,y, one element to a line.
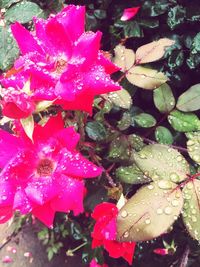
<point>163,98</point>
<point>150,212</point>
<point>124,58</point>
<point>163,135</point>
<point>146,78</point>
<point>136,142</point>
<point>190,100</point>
<point>153,51</point>
<point>131,175</point>
<point>121,98</point>
<point>96,131</point>
<point>184,122</point>
<point>193,147</point>
<point>162,162</point>
<point>191,208</point>
<point>23,12</point>
<point>145,120</point>
<point>28,126</point>
<point>120,150</point>
<point>8,48</point>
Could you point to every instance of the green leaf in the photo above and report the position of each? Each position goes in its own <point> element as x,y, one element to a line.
<point>146,78</point>
<point>132,29</point>
<point>150,212</point>
<point>184,122</point>
<point>124,58</point>
<point>191,208</point>
<point>176,16</point>
<point>8,48</point>
<point>125,121</point>
<point>28,126</point>
<point>23,12</point>
<point>190,100</point>
<point>163,135</point>
<point>136,142</point>
<point>193,146</point>
<point>196,43</point>
<point>120,98</point>
<point>131,175</point>
<point>176,59</point>
<point>120,149</point>
<point>96,131</point>
<point>7,3</point>
<point>153,51</point>
<point>161,162</point>
<point>145,120</point>
<point>163,98</point>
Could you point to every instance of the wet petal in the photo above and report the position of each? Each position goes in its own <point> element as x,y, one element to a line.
<point>75,165</point>
<point>9,145</point>
<point>25,40</point>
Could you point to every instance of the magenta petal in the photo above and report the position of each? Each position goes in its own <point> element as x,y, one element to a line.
<point>129,13</point>
<point>21,202</point>
<point>75,165</point>
<point>66,90</point>
<point>73,15</point>
<point>71,197</point>
<point>110,230</point>
<point>41,190</point>
<point>58,37</point>
<point>107,64</point>
<point>68,137</point>
<point>52,127</point>
<point>45,214</point>
<point>87,47</point>
<point>25,40</point>
<point>5,214</point>
<point>7,190</point>
<point>98,82</point>
<point>9,145</point>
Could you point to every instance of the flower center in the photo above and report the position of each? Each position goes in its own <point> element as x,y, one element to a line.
<point>60,65</point>
<point>45,167</point>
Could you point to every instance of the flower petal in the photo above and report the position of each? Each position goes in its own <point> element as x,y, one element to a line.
<point>129,13</point>
<point>45,214</point>
<point>9,145</point>
<point>58,37</point>
<point>75,165</point>
<point>25,40</point>
<point>73,15</point>
<point>66,201</point>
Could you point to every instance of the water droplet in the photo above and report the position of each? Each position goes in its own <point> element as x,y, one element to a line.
<point>164,184</point>
<point>190,185</point>
<point>150,186</point>
<point>126,234</point>
<point>174,177</point>
<point>124,214</point>
<point>175,202</point>
<point>147,221</point>
<point>159,211</point>
<point>179,158</point>
<point>168,210</point>
<point>194,219</point>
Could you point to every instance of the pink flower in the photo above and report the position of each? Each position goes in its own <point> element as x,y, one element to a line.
<point>62,62</point>
<point>129,13</point>
<point>104,233</point>
<point>93,263</point>
<point>44,176</point>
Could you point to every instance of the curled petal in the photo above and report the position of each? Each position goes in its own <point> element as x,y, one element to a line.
<point>129,13</point>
